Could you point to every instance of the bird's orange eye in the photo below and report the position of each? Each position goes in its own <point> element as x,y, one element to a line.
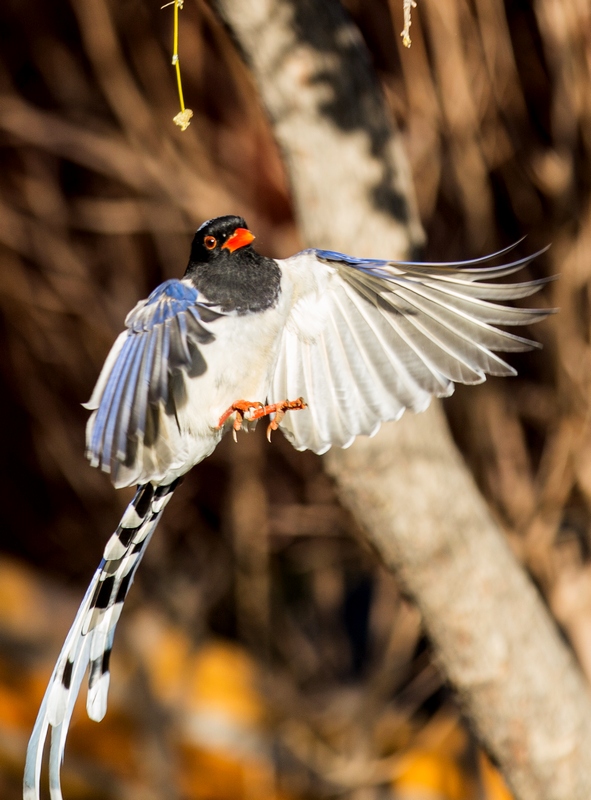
<point>210,242</point>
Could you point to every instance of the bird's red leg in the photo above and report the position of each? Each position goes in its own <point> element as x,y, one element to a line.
<point>279,410</point>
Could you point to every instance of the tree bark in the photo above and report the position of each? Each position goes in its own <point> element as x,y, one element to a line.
<point>409,488</point>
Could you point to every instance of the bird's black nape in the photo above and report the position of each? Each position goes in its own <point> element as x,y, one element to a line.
<point>203,248</point>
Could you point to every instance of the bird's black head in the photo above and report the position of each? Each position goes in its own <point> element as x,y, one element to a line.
<point>228,272</point>
<point>220,238</point>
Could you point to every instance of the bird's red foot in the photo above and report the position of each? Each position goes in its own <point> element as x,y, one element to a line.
<point>241,409</point>
<point>279,410</point>
<point>245,409</point>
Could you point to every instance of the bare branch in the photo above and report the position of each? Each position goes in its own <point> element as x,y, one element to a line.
<point>409,487</point>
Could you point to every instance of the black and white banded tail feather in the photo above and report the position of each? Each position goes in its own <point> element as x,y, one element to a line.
<point>90,639</point>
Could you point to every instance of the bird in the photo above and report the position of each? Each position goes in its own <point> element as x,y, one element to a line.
<point>328,345</point>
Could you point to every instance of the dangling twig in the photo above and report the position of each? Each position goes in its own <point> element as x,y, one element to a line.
<point>407,6</point>
<point>183,118</point>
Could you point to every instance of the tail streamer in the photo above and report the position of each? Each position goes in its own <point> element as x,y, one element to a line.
<point>90,639</point>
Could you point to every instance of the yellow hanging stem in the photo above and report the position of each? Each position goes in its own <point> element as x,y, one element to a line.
<point>183,118</point>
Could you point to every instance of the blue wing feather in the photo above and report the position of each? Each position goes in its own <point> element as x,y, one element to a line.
<point>166,301</point>
<point>162,333</point>
<point>128,399</point>
<point>182,323</point>
<point>154,379</point>
<point>95,445</point>
<point>162,385</point>
<point>138,417</point>
<point>353,261</point>
<point>116,407</point>
<point>413,271</point>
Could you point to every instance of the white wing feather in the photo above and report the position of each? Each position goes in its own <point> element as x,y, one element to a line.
<point>368,339</point>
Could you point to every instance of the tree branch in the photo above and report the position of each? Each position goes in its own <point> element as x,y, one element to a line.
<point>409,487</point>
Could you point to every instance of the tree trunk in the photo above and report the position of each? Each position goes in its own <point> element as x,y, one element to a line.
<point>409,488</point>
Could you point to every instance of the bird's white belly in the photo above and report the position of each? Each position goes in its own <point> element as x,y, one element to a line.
<point>240,364</point>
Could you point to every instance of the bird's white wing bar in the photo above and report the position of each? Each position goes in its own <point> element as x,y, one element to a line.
<point>395,334</point>
<point>136,388</point>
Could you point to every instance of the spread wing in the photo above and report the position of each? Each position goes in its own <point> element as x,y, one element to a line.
<point>141,384</point>
<point>377,337</point>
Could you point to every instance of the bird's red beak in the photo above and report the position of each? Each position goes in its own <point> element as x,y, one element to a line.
<point>240,238</point>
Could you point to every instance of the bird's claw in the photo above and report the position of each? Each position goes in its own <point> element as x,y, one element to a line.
<point>279,409</point>
<point>241,409</point>
<point>251,411</point>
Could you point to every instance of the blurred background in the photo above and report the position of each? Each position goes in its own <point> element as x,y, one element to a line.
<point>264,652</point>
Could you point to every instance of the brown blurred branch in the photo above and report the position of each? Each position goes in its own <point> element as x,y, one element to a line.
<point>162,173</point>
<point>495,640</point>
<point>321,69</point>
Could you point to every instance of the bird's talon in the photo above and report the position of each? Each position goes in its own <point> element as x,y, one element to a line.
<point>272,426</point>
<point>251,411</point>
<point>241,408</point>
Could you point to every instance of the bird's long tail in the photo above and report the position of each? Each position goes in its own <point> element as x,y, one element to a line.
<point>90,638</point>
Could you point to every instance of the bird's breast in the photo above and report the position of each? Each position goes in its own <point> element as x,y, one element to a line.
<point>240,364</point>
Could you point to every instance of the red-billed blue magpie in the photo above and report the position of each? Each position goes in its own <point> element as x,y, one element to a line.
<point>330,345</point>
